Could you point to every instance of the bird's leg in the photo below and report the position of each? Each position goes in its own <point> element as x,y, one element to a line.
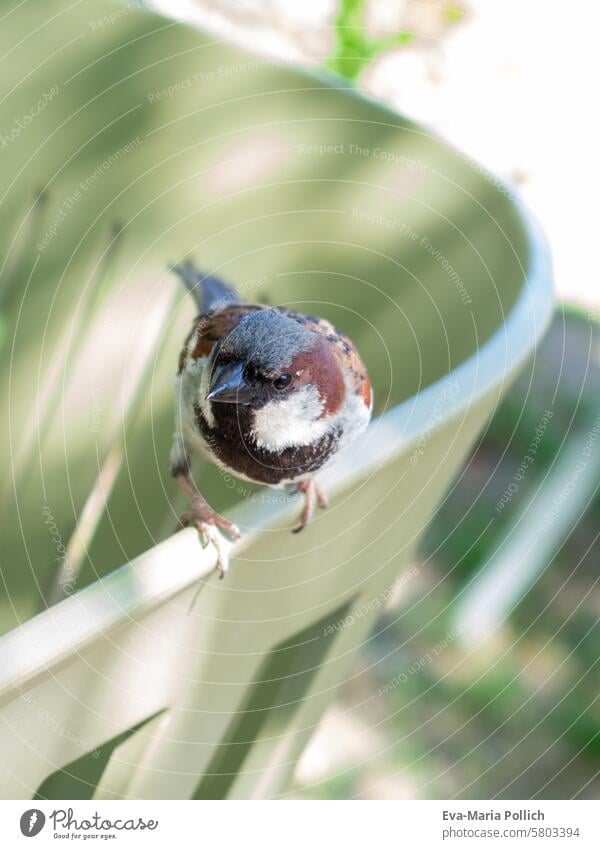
<point>310,491</point>
<point>322,499</point>
<point>206,520</point>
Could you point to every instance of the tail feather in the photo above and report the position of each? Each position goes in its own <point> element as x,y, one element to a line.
<point>208,292</point>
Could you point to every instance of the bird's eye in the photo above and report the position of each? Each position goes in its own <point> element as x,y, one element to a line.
<point>283,381</point>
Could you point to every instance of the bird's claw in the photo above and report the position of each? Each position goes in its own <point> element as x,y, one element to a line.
<point>322,499</point>
<point>209,534</point>
<point>312,492</point>
<point>209,523</point>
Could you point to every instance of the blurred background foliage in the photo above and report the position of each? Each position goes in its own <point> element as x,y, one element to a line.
<point>353,47</point>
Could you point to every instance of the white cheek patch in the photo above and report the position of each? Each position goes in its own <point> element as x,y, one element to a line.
<point>291,421</point>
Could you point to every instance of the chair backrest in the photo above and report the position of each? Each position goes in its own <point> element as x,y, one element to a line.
<point>286,185</point>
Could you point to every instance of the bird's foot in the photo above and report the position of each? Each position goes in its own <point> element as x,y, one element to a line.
<point>322,499</point>
<point>208,522</point>
<point>311,491</point>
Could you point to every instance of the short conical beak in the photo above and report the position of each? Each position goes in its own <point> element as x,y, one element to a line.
<point>228,385</point>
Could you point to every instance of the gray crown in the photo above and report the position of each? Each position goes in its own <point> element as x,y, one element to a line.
<point>268,339</point>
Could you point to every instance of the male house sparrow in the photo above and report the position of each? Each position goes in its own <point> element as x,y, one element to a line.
<point>267,393</point>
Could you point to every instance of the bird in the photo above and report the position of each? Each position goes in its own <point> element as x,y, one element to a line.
<point>267,393</point>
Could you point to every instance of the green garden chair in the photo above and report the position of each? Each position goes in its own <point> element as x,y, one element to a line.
<point>147,142</point>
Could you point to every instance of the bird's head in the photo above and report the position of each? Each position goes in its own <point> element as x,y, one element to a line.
<point>284,371</point>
